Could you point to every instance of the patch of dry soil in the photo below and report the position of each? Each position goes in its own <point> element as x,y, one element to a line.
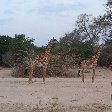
<point>57,95</point>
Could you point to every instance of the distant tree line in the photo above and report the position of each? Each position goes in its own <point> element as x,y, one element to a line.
<point>72,48</point>
<point>15,49</point>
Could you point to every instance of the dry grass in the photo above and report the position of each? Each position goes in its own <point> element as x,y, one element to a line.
<point>54,107</point>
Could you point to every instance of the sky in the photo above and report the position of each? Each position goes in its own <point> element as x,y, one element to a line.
<point>44,19</point>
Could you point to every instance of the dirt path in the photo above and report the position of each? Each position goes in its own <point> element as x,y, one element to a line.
<point>5,73</point>
<point>57,95</point>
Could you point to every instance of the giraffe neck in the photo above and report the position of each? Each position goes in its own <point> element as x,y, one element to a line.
<point>42,60</point>
<point>45,56</point>
<point>93,60</point>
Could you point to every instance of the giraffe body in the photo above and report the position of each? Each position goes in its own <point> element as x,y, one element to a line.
<point>90,63</point>
<point>41,61</point>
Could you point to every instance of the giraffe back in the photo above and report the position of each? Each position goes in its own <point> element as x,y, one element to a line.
<point>92,62</point>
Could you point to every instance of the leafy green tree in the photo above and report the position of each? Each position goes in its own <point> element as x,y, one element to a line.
<point>104,23</point>
<point>5,45</point>
<point>17,48</point>
<point>22,47</point>
<point>82,39</point>
<point>87,29</point>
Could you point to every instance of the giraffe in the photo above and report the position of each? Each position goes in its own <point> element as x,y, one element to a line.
<point>91,63</point>
<point>41,61</point>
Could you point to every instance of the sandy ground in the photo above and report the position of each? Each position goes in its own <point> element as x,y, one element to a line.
<point>57,94</point>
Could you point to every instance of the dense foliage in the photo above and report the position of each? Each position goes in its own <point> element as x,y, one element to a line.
<point>14,49</point>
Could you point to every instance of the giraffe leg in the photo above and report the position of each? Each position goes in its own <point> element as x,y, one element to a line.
<point>79,73</point>
<point>82,72</point>
<point>93,75</point>
<point>30,76</point>
<point>44,74</point>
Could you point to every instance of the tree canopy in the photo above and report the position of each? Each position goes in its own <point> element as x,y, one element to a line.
<point>81,42</point>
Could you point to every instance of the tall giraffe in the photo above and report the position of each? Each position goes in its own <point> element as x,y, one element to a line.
<point>41,61</point>
<point>91,63</point>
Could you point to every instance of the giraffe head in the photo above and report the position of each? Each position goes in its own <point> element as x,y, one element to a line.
<point>99,49</point>
<point>53,41</point>
<point>102,46</point>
